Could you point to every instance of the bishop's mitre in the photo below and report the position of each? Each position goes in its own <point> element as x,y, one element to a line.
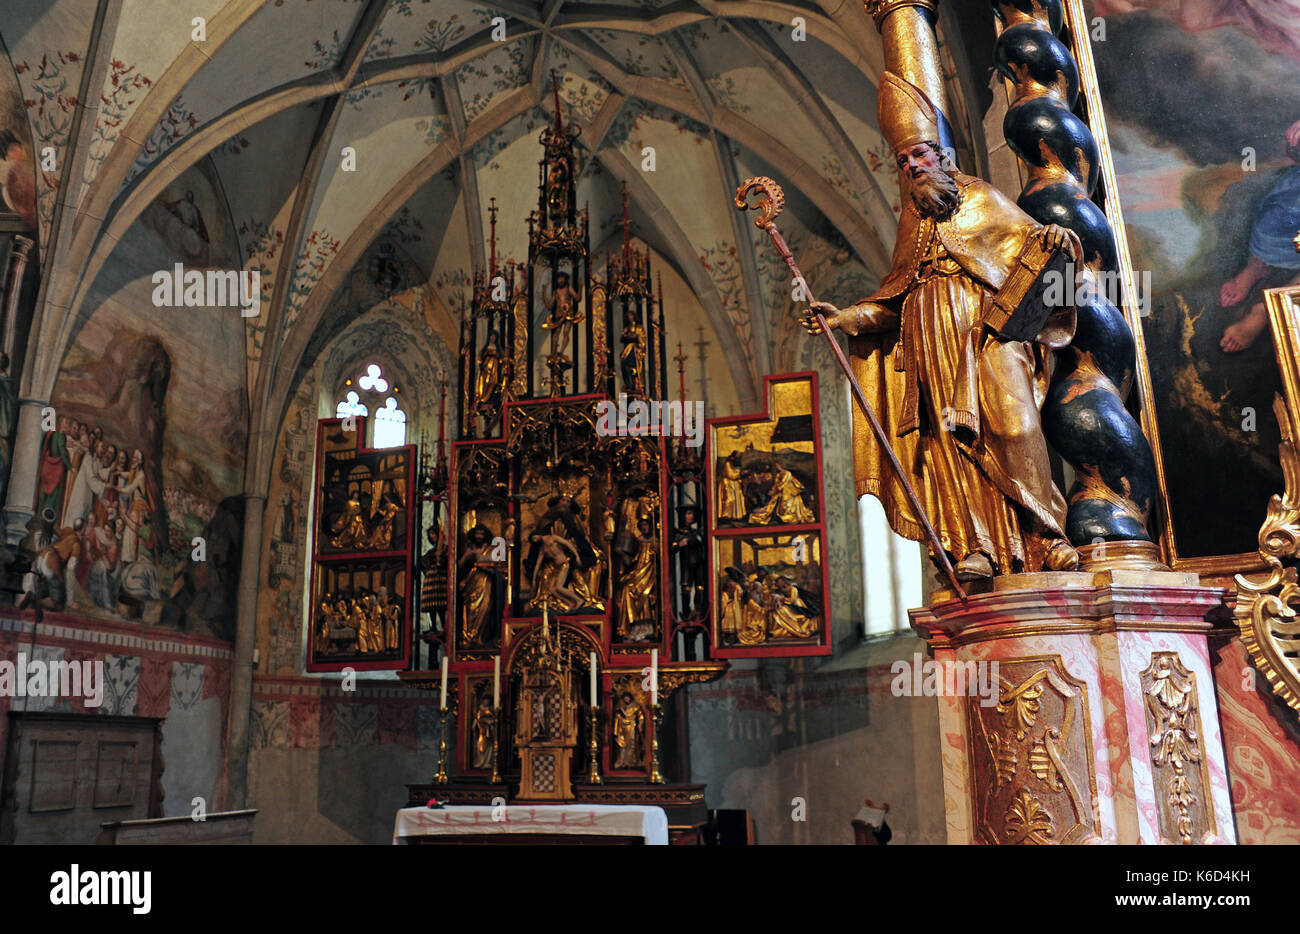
<point>905,114</point>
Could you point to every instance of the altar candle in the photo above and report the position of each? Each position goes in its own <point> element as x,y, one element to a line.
<point>496,681</point>
<point>654,676</point>
<point>593,679</point>
<point>546,621</point>
<point>444,683</point>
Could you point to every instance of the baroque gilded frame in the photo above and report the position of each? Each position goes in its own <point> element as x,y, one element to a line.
<point>1265,609</point>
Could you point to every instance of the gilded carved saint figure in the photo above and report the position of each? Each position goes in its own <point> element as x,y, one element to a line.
<point>961,404</point>
<point>731,493</point>
<point>479,585</point>
<point>785,504</point>
<point>790,616</point>
<point>370,624</point>
<point>629,721</point>
<point>635,611</point>
<point>381,533</point>
<point>633,355</point>
<point>350,528</point>
<point>487,381</point>
<point>485,733</point>
<point>564,312</point>
<point>391,613</point>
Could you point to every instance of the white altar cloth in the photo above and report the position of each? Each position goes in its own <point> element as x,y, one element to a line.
<point>649,823</point>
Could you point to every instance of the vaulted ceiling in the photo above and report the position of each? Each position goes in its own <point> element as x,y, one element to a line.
<point>441,102</point>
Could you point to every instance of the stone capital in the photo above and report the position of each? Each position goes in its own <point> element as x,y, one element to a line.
<point>879,9</point>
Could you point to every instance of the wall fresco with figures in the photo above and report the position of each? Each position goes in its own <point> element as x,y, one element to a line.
<point>137,512</point>
<point>284,538</point>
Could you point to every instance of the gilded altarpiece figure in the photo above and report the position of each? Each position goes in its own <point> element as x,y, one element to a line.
<point>480,578</point>
<point>635,313</point>
<point>481,734</point>
<point>631,717</point>
<point>487,341</point>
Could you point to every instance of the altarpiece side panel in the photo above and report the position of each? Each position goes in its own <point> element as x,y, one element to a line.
<point>361,582</point>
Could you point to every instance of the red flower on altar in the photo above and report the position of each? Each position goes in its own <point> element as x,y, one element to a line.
<point>434,803</point>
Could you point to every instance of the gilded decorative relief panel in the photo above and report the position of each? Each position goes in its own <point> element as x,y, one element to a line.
<point>1032,774</point>
<point>519,382</point>
<point>1177,756</point>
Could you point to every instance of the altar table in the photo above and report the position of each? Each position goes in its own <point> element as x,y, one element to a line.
<point>517,823</point>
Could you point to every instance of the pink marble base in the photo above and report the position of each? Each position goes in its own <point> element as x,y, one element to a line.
<point>1074,647</point>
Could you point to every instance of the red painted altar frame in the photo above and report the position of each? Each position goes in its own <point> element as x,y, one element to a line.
<point>823,645</point>
<point>462,668</point>
<point>403,659</point>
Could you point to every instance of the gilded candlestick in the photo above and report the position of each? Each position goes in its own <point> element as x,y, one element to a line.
<point>593,750</point>
<point>657,716</point>
<point>496,749</point>
<point>441,777</point>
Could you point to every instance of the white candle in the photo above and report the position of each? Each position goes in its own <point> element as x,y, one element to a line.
<point>496,681</point>
<point>593,679</point>
<point>654,676</point>
<point>546,621</point>
<point>444,683</point>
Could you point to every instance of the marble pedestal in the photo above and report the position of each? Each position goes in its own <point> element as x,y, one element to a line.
<point>1098,721</point>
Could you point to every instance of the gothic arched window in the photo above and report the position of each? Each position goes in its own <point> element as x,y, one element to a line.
<point>351,405</point>
<point>893,571</point>
<point>390,425</point>
<point>372,391</point>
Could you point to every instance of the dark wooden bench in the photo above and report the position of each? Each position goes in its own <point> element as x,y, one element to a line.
<point>222,827</point>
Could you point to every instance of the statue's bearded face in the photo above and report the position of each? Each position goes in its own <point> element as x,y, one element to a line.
<point>933,189</point>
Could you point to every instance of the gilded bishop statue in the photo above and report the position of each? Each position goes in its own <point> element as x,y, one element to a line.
<point>959,400</point>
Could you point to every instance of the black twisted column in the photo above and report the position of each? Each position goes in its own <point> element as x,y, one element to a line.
<point>1084,416</point>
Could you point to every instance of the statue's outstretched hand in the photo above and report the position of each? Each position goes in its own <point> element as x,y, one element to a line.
<point>865,317</point>
<point>809,317</point>
<point>1056,237</point>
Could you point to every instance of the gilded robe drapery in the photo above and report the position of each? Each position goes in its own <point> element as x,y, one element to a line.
<point>961,408</point>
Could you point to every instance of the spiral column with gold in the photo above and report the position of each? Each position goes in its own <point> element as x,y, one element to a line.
<point>1084,416</point>
<point>1074,706</point>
